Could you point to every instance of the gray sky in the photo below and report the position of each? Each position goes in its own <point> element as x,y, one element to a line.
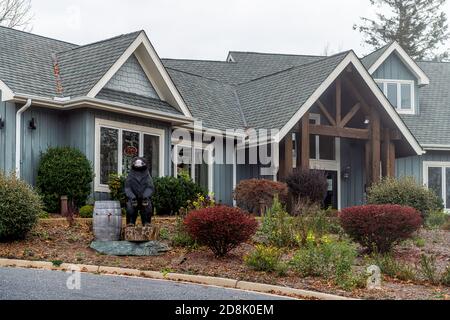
<point>208,29</point>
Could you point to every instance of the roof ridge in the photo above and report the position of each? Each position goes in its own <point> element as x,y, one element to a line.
<point>278,54</point>
<point>431,61</point>
<point>199,76</point>
<point>100,41</point>
<point>199,60</point>
<point>38,35</point>
<point>295,67</point>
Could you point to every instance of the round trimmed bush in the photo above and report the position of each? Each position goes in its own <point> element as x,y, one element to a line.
<point>172,193</point>
<point>310,185</point>
<point>220,228</point>
<point>380,227</point>
<point>20,207</point>
<point>64,171</point>
<point>86,211</point>
<point>404,192</point>
<point>249,194</point>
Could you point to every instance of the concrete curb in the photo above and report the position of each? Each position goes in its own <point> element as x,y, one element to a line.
<point>204,280</point>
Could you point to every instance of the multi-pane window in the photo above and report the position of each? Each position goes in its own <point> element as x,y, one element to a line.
<point>437,178</point>
<point>400,94</point>
<point>117,144</point>
<point>197,164</point>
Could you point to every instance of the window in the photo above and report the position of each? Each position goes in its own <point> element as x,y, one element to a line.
<point>400,94</point>
<point>197,164</point>
<point>118,143</point>
<point>436,176</point>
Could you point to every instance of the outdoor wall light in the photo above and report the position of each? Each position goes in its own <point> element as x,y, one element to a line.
<point>2,123</point>
<point>346,172</point>
<point>32,124</point>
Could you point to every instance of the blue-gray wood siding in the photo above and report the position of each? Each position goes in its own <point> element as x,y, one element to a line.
<point>394,69</point>
<point>413,166</point>
<point>7,137</point>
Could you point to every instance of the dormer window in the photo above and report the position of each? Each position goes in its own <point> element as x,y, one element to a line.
<point>400,94</point>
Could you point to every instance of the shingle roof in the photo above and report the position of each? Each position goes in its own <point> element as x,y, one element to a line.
<point>271,101</point>
<point>136,100</point>
<point>431,124</point>
<point>371,58</point>
<point>266,98</point>
<point>82,67</point>
<point>25,61</point>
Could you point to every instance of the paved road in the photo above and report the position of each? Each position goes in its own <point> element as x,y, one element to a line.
<point>31,284</point>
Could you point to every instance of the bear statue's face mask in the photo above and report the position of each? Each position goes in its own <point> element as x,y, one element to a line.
<point>139,164</point>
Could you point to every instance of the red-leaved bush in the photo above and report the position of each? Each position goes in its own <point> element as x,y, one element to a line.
<point>220,228</point>
<point>380,227</point>
<point>250,194</point>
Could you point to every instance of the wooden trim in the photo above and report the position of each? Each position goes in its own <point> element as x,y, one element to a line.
<point>358,96</point>
<point>305,141</point>
<point>326,113</point>
<point>352,133</point>
<point>350,115</point>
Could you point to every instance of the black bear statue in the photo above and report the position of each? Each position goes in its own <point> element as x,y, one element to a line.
<point>139,189</point>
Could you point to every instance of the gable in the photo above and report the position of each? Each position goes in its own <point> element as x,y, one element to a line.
<point>131,78</point>
<point>393,68</point>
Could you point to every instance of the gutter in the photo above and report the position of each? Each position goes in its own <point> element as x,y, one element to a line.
<point>19,135</point>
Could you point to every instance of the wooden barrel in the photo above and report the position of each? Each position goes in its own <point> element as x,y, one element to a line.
<point>107,222</point>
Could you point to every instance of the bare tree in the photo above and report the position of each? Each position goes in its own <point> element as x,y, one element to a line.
<point>16,14</point>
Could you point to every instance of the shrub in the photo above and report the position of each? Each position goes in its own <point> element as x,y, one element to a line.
<point>86,211</point>
<point>380,227</point>
<point>43,215</point>
<point>172,193</point>
<point>116,184</point>
<point>310,218</point>
<point>404,192</point>
<point>277,227</point>
<point>428,268</point>
<point>308,185</point>
<point>220,228</point>
<point>250,194</point>
<point>264,258</point>
<point>328,259</point>
<point>64,171</point>
<point>20,207</point>
<point>445,278</point>
<point>391,267</point>
<point>181,237</point>
<point>436,219</point>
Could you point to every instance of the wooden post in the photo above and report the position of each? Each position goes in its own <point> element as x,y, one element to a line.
<point>375,141</point>
<point>392,159</point>
<point>305,141</point>
<point>338,101</point>
<point>298,141</point>
<point>367,158</point>
<point>288,157</point>
<point>385,156</point>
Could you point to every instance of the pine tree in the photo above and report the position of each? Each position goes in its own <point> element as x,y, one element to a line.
<point>419,26</point>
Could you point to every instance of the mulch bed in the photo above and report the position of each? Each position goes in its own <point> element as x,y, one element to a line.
<point>54,240</point>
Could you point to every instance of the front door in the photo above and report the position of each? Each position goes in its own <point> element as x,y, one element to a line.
<point>331,199</point>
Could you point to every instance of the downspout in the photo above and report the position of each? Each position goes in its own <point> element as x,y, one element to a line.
<point>19,135</point>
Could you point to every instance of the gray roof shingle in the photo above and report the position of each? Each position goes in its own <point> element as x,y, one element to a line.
<point>371,58</point>
<point>136,100</point>
<point>431,124</point>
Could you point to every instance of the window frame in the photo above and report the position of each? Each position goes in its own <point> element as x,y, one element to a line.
<point>443,165</point>
<point>399,83</point>
<point>121,126</point>
<point>194,148</point>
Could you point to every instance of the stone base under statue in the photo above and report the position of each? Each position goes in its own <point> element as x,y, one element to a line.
<point>127,248</point>
<point>141,234</point>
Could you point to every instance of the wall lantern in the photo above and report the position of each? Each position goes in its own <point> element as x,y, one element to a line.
<point>346,172</point>
<point>32,124</point>
<point>2,123</point>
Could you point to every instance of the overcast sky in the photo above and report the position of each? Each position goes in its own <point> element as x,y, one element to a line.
<point>208,29</point>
